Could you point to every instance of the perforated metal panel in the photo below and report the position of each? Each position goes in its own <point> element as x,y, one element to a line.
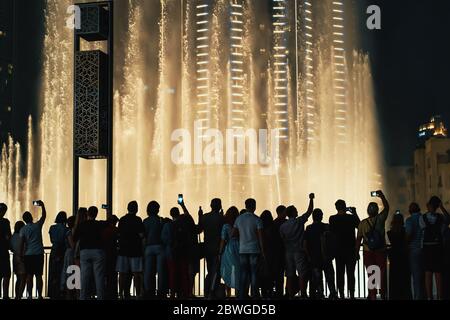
<point>91,110</point>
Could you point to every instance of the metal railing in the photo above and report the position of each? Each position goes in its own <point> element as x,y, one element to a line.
<point>360,278</point>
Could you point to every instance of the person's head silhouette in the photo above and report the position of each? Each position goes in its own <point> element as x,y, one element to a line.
<point>317,215</point>
<point>266,218</point>
<point>216,205</point>
<point>18,226</point>
<point>132,207</point>
<point>71,222</point>
<point>281,212</point>
<point>341,206</point>
<point>250,205</point>
<point>3,209</point>
<point>231,215</point>
<point>113,220</point>
<point>433,204</point>
<point>27,217</point>
<point>92,213</point>
<point>153,208</point>
<point>175,213</point>
<point>61,217</point>
<point>291,212</point>
<point>373,209</point>
<point>414,208</point>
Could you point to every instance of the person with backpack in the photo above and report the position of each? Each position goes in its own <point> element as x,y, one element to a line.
<point>434,225</point>
<point>154,253</point>
<point>342,227</point>
<point>373,234</point>
<point>320,249</point>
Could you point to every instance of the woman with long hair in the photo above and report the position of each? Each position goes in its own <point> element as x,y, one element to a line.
<point>229,252</point>
<point>399,275</point>
<point>68,257</point>
<point>58,239</point>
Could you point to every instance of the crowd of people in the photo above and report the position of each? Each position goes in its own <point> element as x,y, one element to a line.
<point>257,256</point>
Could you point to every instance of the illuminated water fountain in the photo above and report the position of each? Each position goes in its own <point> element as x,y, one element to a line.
<point>226,65</point>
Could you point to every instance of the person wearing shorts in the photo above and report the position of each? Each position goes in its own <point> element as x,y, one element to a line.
<point>130,262</point>
<point>292,235</point>
<point>33,250</point>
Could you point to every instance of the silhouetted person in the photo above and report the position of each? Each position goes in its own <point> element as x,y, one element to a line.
<point>372,232</point>
<point>5,236</point>
<point>399,275</point>
<point>57,234</point>
<point>92,255</point>
<point>414,237</point>
<point>130,262</point>
<point>314,242</point>
<point>18,263</point>
<point>154,252</point>
<point>229,252</point>
<point>292,234</point>
<point>251,247</point>
<point>343,226</point>
<point>180,258</point>
<point>446,273</point>
<point>211,224</point>
<point>267,274</point>
<point>110,240</point>
<point>68,258</point>
<point>33,250</point>
<point>434,225</point>
<point>279,256</point>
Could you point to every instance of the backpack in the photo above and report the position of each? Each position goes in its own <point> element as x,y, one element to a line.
<point>328,243</point>
<point>432,234</point>
<point>374,238</point>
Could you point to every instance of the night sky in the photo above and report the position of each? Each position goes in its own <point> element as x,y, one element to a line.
<point>410,58</point>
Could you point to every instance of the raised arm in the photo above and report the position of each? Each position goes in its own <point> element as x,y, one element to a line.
<point>308,213</point>
<point>356,218</point>
<point>184,208</point>
<point>44,212</point>
<point>385,203</point>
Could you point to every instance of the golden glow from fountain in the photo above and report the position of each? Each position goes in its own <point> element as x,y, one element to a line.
<point>165,80</point>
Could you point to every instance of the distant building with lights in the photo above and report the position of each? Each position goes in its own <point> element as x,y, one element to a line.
<point>434,128</point>
<point>430,174</point>
<point>6,65</point>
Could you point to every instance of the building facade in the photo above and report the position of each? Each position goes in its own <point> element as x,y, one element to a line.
<point>430,174</point>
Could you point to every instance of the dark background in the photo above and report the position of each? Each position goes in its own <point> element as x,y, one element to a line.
<point>410,63</point>
<point>411,67</point>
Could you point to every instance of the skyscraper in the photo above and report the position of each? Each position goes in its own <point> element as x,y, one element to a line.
<point>6,65</point>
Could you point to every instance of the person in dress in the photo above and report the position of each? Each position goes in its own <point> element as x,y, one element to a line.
<point>229,252</point>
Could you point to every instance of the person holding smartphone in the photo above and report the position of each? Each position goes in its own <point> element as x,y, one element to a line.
<point>33,249</point>
<point>372,233</point>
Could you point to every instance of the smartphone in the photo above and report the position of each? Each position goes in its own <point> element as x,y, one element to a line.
<point>105,207</point>
<point>349,209</point>
<point>374,193</point>
<point>36,203</point>
<point>180,199</point>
